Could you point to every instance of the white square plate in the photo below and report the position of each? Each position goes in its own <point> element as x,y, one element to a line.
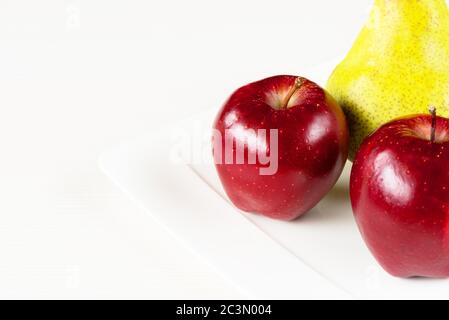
<point>321,255</point>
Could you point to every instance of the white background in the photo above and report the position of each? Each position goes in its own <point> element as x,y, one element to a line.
<point>77,77</point>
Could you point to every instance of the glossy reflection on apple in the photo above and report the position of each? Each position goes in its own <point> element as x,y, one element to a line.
<point>280,144</point>
<point>400,195</point>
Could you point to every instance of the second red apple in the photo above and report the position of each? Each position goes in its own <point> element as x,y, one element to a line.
<point>400,195</point>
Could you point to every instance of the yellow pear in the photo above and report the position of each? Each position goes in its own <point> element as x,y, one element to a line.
<point>399,65</point>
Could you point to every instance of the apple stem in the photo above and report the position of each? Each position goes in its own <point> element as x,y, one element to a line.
<point>298,84</point>
<point>433,112</point>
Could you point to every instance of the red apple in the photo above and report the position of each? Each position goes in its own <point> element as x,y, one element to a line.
<point>292,141</point>
<point>400,195</point>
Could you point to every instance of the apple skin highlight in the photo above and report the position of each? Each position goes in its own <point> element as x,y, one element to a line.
<point>312,145</point>
<point>400,196</point>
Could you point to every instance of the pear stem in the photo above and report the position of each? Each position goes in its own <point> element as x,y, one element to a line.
<point>433,112</point>
<point>298,84</point>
